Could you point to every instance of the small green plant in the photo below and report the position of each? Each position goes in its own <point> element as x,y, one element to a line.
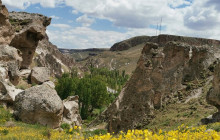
<point>4,132</point>
<point>5,115</point>
<point>65,126</point>
<point>46,133</point>
<point>33,84</point>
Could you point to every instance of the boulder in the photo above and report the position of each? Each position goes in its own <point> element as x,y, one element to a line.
<point>40,75</point>
<point>8,93</point>
<point>39,104</point>
<point>71,111</point>
<point>8,53</point>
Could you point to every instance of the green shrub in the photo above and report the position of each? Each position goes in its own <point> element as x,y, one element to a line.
<point>65,126</point>
<point>4,132</point>
<point>5,115</point>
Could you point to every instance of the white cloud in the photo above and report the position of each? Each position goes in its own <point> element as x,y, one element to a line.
<point>202,17</point>
<point>54,17</point>
<point>85,37</point>
<point>85,20</point>
<point>177,3</point>
<point>23,4</point>
<point>198,18</point>
<point>75,12</point>
<point>61,26</point>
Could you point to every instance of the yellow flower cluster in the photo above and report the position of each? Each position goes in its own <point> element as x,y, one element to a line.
<point>182,133</point>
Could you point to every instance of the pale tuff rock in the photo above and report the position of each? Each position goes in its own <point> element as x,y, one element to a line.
<point>31,28</point>
<point>39,104</point>
<point>213,96</point>
<point>6,31</point>
<point>8,93</point>
<point>40,75</point>
<point>71,111</point>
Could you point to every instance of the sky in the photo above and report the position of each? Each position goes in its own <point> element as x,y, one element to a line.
<point>80,24</point>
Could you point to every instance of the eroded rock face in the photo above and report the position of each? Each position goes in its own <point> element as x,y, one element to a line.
<point>30,29</point>
<point>71,111</point>
<point>40,75</point>
<point>39,104</point>
<point>161,71</point>
<point>10,61</point>
<point>213,96</point>
<point>6,31</point>
<point>8,93</point>
<point>47,53</point>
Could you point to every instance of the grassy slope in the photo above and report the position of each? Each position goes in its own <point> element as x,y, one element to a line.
<point>121,60</point>
<point>180,112</point>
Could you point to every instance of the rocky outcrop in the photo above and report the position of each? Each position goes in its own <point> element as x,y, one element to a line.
<point>40,75</point>
<point>162,39</point>
<point>10,61</point>
<point>8,93</point>
<point>39,104</point>
<point>30,29</point>
<point>213,96</point>
<point>6,31</point>
<point>47,53</point>
<point>162,71</point>
<point>71,111</point>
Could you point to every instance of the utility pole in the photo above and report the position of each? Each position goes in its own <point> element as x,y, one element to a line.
<point>161,24</point>
<point>157,29</point>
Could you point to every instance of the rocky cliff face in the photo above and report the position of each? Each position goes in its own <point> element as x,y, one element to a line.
<point>30,29</point>
<point>163,70</point>
<point>24,46</point>
<point>7,32</point>
<point>46,53</point>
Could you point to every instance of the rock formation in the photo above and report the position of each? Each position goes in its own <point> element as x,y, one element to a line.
<point>47,52</point>
<point>213,96</point>
<point>162,71</point>
<point>19,40</point>
<point>71,111</point>
<point>40,75</point>
<point>39,104</point>
<point>30,29</point>
<point>6,31</point>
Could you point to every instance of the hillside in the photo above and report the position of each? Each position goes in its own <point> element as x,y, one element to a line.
<point>172,79</point>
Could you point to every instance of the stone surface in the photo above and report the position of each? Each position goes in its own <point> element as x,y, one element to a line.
<point>40,75</point>
<point>39,104</point>
<point>8,93</point>
<point>213,96</point>
<point>6,31</point>
<point>10,60</point>
<point>30,29</point>
<point>71,111</point>
<point>47,53</point>
<point>161,71</point>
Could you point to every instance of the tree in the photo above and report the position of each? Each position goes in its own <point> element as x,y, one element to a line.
<point>66,86</point>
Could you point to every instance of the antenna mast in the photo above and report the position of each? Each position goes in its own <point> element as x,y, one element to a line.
<point>161,24</point>
<point>156,29</point>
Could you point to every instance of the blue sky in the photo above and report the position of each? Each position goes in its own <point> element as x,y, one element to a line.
<point>101,23</point>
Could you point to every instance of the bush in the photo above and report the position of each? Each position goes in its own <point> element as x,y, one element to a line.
<point>65,126</point>
<point>5,115</point>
